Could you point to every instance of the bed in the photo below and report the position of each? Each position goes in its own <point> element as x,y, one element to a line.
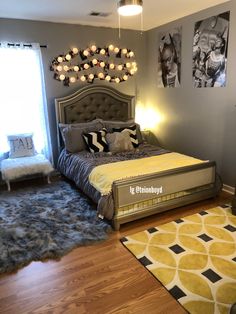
<point>142,193</point>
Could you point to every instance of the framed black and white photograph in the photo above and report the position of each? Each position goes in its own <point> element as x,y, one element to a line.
<point>210,44</point>
<point>169,58</point>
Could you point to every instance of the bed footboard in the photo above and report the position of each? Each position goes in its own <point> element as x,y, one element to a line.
<point>146,195</point>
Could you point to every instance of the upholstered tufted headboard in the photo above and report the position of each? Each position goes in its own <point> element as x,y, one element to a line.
<point>91,102</point>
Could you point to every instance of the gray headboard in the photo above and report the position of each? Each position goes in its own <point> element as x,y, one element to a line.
<point>91,102</point>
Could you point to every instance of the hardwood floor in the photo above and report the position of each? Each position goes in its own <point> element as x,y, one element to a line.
<point>98,279</point>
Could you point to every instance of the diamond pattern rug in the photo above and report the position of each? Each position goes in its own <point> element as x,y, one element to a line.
<point>194,258</point>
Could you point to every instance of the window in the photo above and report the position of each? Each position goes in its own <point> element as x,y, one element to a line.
<point>22,100</point>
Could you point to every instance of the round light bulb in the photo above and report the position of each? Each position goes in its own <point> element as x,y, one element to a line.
<point>65,68</point>
<point>120,67</point>
<point>102,64</point>
<point>76,68</point>
<point>116,50</point>
<point>125,77</point>
<point>134,64</point>
<point>117,80</point>
<point>132,71</point>
<point>86,66</point>
<point>112,66</point>
<point>91,76</point>
<point>128,65</point>
<point>108,78</point>
<point>72,79</point>
<point>94,61</point>
<point>102,51</point>
<point>59,59</point>
<point>83,78</point>
<point>68,57</point>
<point>111,47</point>
<point>59,68</point>
<point>124,51</point>
<point>131,54</point>
<point>101,75</point>
<point>62,77</point>
<point>85,53</point>
<point>75,50</point>
<point>93,48</point>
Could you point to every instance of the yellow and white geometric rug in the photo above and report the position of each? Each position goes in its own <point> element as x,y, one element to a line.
<point>194,258</point>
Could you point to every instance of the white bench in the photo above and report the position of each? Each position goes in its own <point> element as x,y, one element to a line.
<point>15,168</point>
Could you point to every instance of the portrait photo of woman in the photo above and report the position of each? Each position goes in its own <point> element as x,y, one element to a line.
<point>169,58</point>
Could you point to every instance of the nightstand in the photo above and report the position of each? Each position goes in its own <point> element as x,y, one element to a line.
<point>146,135</point>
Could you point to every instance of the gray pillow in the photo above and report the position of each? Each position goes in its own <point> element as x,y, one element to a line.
<point>73,138</point>
<point>80,125</point>
<point>119,142</point>
<point>110,124</point>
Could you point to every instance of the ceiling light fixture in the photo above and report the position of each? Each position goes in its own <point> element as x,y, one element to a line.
<point>130,7</point>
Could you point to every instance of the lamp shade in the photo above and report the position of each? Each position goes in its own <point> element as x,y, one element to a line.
<point>130,7</point>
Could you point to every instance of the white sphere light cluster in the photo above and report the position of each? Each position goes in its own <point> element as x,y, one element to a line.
<point>111,63</point>
<point>75,50</point>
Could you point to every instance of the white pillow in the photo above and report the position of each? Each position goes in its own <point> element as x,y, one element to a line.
<point>21,145</point>
<point>119,142</point>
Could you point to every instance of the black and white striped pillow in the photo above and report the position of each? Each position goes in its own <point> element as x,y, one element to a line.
<point>132,133</point>
<point>96,141</point>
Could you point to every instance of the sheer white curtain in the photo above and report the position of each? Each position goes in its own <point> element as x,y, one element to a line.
<point>23,107</point>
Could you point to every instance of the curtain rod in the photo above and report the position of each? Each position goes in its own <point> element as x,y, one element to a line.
<point>24,45</point>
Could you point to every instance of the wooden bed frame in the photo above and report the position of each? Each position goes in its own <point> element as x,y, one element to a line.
<point>179,187</point>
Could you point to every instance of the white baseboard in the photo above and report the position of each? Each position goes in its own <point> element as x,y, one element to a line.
<point>228,189</point>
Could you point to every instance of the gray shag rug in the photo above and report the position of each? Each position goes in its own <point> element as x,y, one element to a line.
<point>45,222</point>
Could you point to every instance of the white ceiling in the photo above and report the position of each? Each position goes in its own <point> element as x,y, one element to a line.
<point>155,12</point>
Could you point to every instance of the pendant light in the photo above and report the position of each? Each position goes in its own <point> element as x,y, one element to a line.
<point>130,7</point>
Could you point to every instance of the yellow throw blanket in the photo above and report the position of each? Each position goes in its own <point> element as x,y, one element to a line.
<point>102,177</point>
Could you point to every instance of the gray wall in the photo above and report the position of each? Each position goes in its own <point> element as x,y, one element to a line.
<point>60,38</point>
<point>197,121</point>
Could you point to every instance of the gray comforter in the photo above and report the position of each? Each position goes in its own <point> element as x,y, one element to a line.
<point>77,168</point>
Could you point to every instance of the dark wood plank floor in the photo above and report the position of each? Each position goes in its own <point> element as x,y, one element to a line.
<point>102,278</point>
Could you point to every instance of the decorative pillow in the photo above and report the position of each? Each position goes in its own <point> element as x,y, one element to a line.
<point>93,125</point>
<point>132,133</point>
<point>96,141</point>
<point>73,136</point>
<point>21,145</point>
<point>139,133</point>
<point>110,125</point>
<point>119,142</point>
